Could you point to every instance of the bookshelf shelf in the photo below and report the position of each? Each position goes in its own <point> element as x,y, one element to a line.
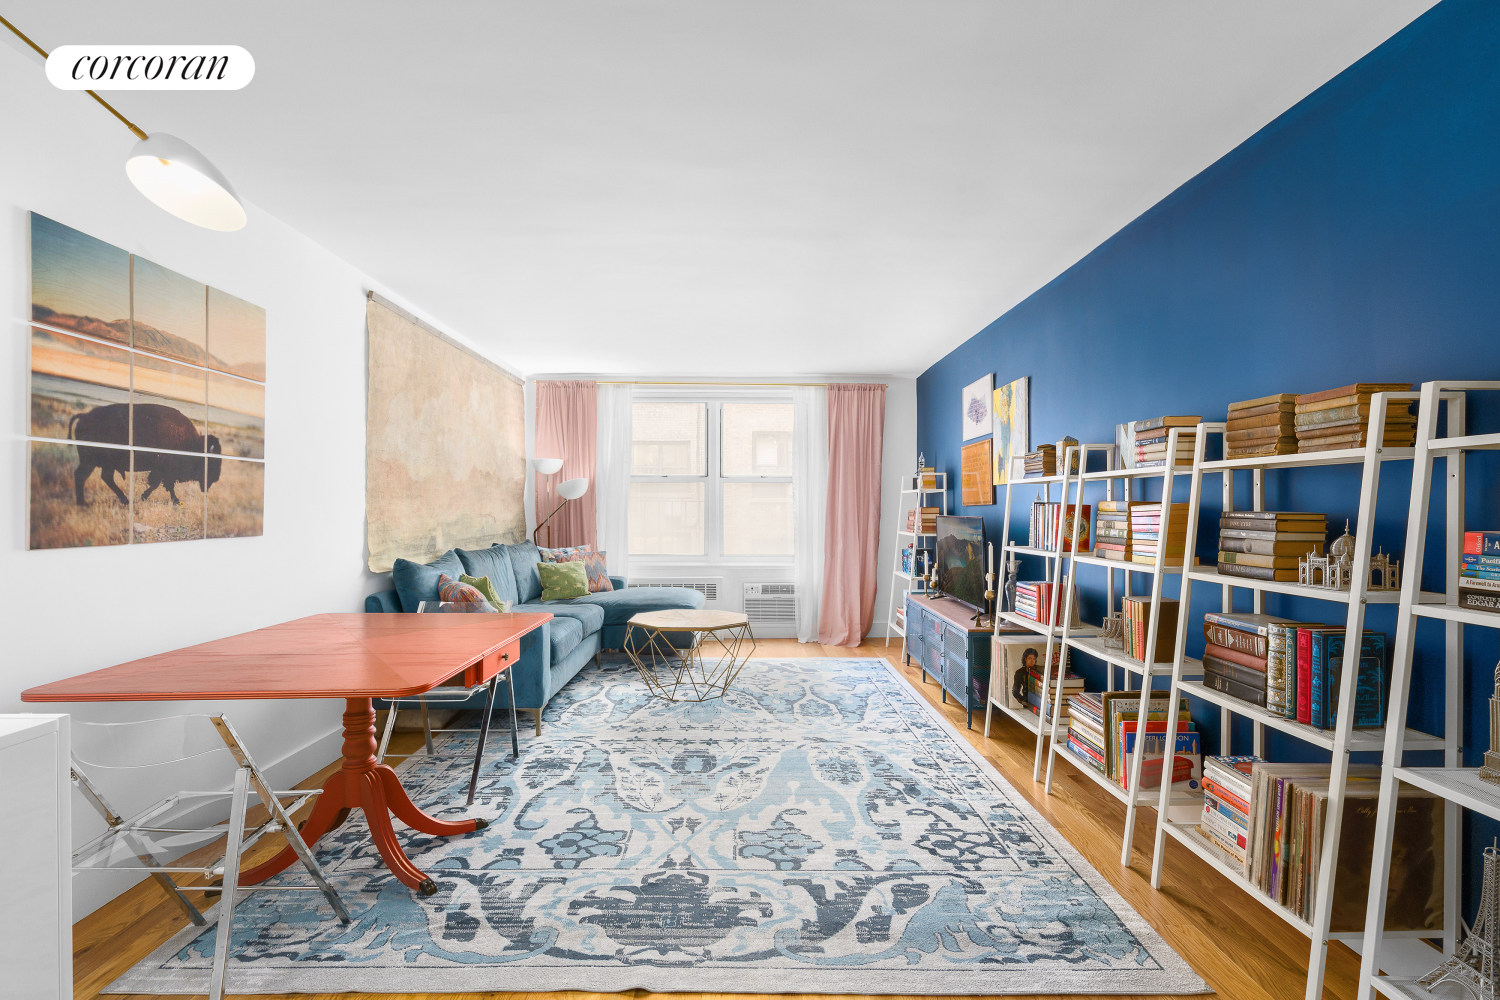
<point>1463,616</point>
<point>1360,740</point>
<point>1042,628</point>
<point>1094,646</point>
<point>1179,802</point>
<point>1343,456</point>
<point>1030,720</point>
<point>1458,784</point>
<point>1211,574</point>
<point>1225,864</point>
<point>913,495</point>
<point>1130,567</point>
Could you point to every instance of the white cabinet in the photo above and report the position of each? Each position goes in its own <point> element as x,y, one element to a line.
<point>36,848</point>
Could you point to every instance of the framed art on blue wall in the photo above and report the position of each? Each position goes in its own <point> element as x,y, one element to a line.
<point>976,400</point>
<point>1011,409</point>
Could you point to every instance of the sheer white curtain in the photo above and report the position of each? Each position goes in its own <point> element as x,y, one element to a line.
<point>810,500</point>
<point>613,475</point>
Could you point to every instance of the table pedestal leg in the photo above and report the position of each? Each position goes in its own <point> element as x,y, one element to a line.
<point>362,783</point>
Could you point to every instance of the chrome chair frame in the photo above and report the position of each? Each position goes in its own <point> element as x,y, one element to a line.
<point>456,695</point>
<point>246,776</point>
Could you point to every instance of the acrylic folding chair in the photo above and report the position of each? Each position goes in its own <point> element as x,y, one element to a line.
<point>454,695</point>
<point>166,838</point>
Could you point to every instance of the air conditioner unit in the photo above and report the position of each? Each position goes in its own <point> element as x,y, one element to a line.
<point>707,586</point>
<point>772,609</point>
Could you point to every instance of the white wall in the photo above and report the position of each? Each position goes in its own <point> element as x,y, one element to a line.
<point>899,457</point>
<point>68,611</point>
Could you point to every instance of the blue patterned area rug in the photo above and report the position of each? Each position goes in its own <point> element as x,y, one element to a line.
<point>820,830</point>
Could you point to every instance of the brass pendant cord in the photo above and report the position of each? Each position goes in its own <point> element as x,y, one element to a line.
<point>107,106</point>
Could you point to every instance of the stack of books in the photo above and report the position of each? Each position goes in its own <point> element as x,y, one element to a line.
<point>1235,656</point>
<point>928,476</point>
<point>922,520</point>
<point>1266,544</point>
<point>1042,462</point>
<point>1034,602</point>
<point>1151,440</point>
<point>1102,730</point>
<point>1137,612</point>
<point>1226,804</point>
<point>1112,529</point>
<point>1047,531</point>
<point>1337,418</point>
<point>1147,533</point>
<point>1293,669</point>
<point>1479,583</point>
<point>1264,426</point>
<point>1072,684</point>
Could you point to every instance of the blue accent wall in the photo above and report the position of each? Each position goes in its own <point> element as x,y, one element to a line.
<point>1354,239</point>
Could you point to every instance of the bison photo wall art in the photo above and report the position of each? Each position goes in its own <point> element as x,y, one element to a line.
<point>147,400</point>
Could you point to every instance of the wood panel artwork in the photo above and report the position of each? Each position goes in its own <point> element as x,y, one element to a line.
<point>979,491</point>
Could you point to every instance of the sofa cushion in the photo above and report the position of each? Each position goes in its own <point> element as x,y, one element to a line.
<point>566,633</point>
<point>494,563</point>
<point>594,562</point>
<point>561,581</point>
<point>462,597</point>
<point>590,616</point>
<point>418,582</point>
<point>620,606</point>
<point>523,559</point>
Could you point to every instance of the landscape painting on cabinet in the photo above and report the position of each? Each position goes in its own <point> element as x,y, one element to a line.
<point>147,397</point>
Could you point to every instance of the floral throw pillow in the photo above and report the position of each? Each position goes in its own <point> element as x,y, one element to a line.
<point>594,563</point>
<point>563,580</point>
<point>462,596</point>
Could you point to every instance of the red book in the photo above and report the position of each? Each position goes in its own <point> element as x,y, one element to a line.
<point>1304,676</point>
<point>1224,795</point>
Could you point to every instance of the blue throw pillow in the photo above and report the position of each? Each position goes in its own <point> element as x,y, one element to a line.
<point>494,563</point>
<point>523,559</point>
<point>418,582</point>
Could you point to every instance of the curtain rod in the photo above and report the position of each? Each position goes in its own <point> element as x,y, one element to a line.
<point>823,385</point>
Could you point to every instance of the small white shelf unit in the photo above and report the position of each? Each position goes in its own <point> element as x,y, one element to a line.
<point>913,496</point>
<point>1343,739</point>
<point>1460,787</point>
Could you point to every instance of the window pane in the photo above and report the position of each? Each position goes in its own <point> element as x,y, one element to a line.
<point>666,519</point>
<point>757,439</point>
<point>669,439</point>
<point>757,519</point>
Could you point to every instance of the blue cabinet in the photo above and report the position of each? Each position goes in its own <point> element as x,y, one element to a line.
<point>953,650</point>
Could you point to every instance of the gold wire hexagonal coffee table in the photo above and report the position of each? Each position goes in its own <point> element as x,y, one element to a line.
<point>684,673</point>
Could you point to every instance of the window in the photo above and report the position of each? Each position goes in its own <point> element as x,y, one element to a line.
<point>711,478</point>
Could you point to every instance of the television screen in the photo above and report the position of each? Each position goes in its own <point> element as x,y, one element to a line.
<point>960,559</point>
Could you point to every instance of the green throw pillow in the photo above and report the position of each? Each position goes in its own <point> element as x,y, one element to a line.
<point>561,581</point>
<point>483,585</point>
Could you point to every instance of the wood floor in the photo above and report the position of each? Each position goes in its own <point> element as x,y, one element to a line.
<point>1243,950</point>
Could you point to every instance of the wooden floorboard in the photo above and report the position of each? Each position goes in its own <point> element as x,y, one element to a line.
<point>1243,950</point>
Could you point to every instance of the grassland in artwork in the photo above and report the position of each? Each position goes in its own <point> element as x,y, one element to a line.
<point>138,436</point>
<point>445,446</point>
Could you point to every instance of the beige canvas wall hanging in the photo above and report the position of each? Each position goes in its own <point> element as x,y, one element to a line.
<point>147,400</point>
<point>445,444</point>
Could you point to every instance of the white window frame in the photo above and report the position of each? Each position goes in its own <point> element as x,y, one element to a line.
<point>714,480</point>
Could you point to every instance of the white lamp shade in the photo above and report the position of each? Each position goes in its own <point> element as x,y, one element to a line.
<point>572,489</point>
<point>547,466</point>
<point>180,180</point>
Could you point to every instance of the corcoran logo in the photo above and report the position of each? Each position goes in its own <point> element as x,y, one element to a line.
<point>150,67</point>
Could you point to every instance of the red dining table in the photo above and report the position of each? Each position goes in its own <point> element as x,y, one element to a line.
<point>357,657</point>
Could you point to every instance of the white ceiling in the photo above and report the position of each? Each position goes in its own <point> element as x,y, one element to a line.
<point>693,186</point>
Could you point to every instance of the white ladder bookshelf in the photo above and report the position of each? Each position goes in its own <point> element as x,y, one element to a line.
<point>1458,786</point>
<point>1115,658</point>
<point>1343,739</point>
<point>913,495</point>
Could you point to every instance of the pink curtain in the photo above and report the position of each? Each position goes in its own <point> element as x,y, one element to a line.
<point>567,427</point>
<point>851,534</point>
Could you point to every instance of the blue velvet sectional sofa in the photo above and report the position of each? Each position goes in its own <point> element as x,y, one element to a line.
<point>550,657</point>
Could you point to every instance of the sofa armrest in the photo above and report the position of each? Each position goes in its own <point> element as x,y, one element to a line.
<point>618,582</point>
<point>385,602</point>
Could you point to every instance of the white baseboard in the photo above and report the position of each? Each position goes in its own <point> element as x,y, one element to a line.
<point>92,890</point>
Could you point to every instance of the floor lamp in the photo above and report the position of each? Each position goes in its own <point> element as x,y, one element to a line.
<point>569,490</point>
<point>547,467</point>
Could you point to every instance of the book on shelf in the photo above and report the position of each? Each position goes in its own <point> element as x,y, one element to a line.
<point>1288,811</point>
<point>1187,759</point>
<point>1252,559</point>
<point>1272,418</point>
<point>1274,520</point>
<point>1136,615</point>
<point>1278,400</point>
<point>1050,530</point>
<point>1124,706</point>
<point>1281,446</point>
<point>1269,574</point>
<point>1327,649</point>
<point>1308,400</point>
<point>1159,422</point>
<point>1270,546</point>
<point>1482,543</point>
<point>1242,435</point>
<point>1018,657</point>
<point>1256,534</point>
